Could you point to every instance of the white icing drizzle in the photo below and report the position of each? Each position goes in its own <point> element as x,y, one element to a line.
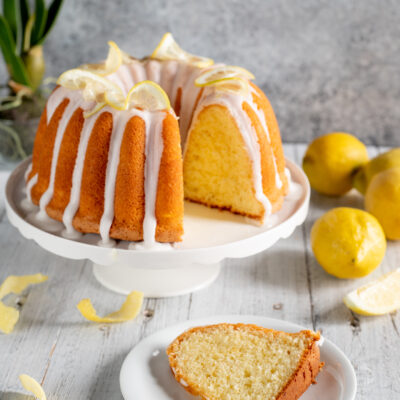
<point>119,123</point>
<point>75,195</point>
<point>153,151</point>
<point>27,172</point>
<point>74,99</point>
<point>261,117</point>
<point>171,75</point>
<point>31,183</point>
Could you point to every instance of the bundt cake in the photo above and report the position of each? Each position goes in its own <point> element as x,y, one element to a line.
<point>245,362</point>
<point>104,164</point>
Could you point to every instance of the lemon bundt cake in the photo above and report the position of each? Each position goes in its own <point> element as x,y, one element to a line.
<point>245,362</point>
<point>107,156</point>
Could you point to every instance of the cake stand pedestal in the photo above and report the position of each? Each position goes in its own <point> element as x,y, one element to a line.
<point>210,237</point>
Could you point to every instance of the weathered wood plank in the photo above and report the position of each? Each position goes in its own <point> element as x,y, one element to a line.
<point>79,360</point>
<point>372,344</point>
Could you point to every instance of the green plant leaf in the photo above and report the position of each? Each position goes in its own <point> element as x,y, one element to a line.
<point>12,13</point>
<point>51,18</point>
<point>24,11</point>
<point>40,21</point>
<point>14,63</point>
<point>28,33</point>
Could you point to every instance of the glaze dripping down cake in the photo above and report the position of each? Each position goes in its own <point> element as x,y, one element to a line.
<point>121,144</point>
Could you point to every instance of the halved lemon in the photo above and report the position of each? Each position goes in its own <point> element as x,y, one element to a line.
<point>217,73</point>
<point>378,297</point>
<point>114,60</point>
<point>145,94</point>
<point>168,49</point>
<point>93,85</point>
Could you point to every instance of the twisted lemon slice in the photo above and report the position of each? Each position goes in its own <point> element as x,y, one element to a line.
<point>378,297</point>
<point>168,49</point>
<point>114,60</point>
<point>94,88</point>
<point>218,73</point>
<point>234,85</point>
<point>93,85</point>
<point>146,94</point>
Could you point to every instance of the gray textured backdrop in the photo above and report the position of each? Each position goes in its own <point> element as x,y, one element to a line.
<point>325,65</point>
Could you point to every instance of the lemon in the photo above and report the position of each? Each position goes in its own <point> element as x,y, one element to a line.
<point>219,73</point>
<point>348,243</point>
<point>113,62</point>
<point>145,94</point>
<point>168,49</point>
<point>376,298</point>
<point>330,161</point>
<point>384,161</point>
<point>383,200</point>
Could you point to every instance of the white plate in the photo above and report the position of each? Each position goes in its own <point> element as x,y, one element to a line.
<point>145,373</point>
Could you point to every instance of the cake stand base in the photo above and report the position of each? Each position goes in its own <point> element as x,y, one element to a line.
<point>210,237</point>
<point>155,282</point>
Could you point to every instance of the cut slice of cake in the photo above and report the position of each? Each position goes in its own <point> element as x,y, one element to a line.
<point>245,362</point>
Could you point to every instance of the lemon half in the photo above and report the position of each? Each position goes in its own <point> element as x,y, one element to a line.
<point>378,297</point>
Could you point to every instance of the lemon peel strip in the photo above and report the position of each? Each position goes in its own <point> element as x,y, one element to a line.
<point>33,386</point>
<point>128,311</point>
<point>14,284</point>
<point>8,318</point>
<point>17,284</point>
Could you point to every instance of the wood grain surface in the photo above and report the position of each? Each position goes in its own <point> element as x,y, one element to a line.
<point>75,359</point>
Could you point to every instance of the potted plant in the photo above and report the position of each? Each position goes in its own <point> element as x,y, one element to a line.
<point>23,96</point>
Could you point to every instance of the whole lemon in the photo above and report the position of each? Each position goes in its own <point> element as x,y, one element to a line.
<point>384,161</point>
<point>383,200</point>
<point>330,161</point>
<point>347,242</point>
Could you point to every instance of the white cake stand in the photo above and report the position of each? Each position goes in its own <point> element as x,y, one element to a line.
<point>210,237</point>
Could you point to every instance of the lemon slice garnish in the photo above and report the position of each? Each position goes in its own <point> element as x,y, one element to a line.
<point>94,110</point>
<point>233,85</point>
<point>146,94</point>
<point>113,62</point>
<point>216,74</point>
<point>168,49</point>
<point>93,85</point>
<point>378,297</point>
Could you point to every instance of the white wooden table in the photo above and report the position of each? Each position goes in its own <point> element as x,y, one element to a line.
<point>75,359</point>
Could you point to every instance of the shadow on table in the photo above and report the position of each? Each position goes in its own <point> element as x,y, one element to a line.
<point>161,372</point>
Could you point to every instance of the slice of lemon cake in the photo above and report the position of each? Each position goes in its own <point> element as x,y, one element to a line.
<point>245,362</point>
